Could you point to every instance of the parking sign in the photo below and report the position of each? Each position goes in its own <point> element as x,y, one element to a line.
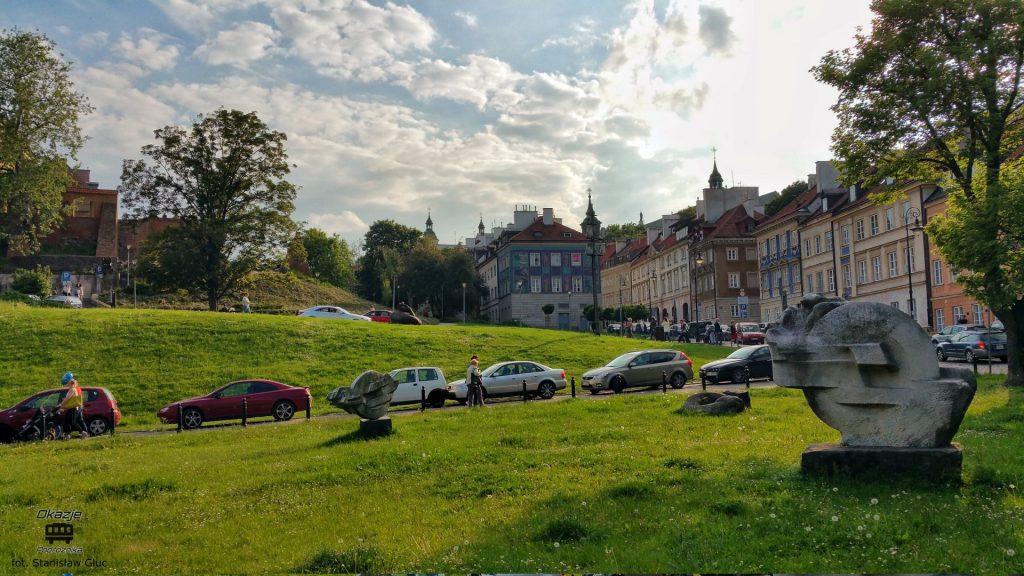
<point>65,276</point>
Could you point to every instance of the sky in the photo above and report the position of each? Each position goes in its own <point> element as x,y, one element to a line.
<point>467,109</point>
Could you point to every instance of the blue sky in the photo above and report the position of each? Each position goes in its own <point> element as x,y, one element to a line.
<point>468,108</point>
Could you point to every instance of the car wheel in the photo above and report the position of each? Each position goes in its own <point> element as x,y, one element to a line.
<point>191,418</point>
<point>678,380</point>
<point>940,354</point>
<point>97,426</point>
<point>546,390</point>
<point>741,376</point>
<point>618,384</point>
<point>969,356</point>
<point>436,399</point>
<point>595,392</point>
<point>284,410</point>
<point>462,401</point>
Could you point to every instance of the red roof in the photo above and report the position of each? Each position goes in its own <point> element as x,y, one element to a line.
<point>732,224</point>
<point>540,232</point>
<point>794,205</point>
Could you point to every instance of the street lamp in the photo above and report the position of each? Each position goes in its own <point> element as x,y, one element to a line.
<point>650,292</point>
<point>592,230</point>
<point>697,262</point>
<point>135,291</point>
<point>622,284</point>
<point>571,315</point>
<point>909,213</point>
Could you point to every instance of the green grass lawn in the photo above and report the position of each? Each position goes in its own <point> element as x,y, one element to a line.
<point>149,358</point>
<point>620,483</point>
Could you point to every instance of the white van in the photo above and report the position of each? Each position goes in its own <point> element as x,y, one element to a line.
<point>415,381</point>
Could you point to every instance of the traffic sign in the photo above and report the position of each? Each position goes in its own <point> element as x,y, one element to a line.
<point>65,276</point>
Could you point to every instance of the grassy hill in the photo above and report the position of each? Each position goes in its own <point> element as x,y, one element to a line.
<point>149,358</point>
<point>271,291</point>
<point>616,484</point>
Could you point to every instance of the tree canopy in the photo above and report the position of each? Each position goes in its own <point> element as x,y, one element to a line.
<point>786,195</point>
<point>224,180</point>
<point>383,244</point>
<point>39,133</point>
<point>329,258</point>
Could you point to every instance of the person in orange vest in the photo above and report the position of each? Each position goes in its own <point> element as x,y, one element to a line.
<point>71,406</point>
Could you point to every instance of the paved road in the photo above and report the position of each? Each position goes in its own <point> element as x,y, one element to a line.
<point>497,403</point>
<point>997,367</point>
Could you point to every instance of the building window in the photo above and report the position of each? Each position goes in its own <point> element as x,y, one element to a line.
<point>817,244</point>
<point>820,285</point>
<point>890,218</point>
<point>751,279</point>
<point>535,284</point>
<point>751,254</point>
<point>937,276</point>
<point>732,254</point>
<point>577,258</point>
<point>940,320</point>
<point>893,266</point>
<point>978,316</point>
<point>908,256</point>
<point>829,246</point>
<point>810,283</point>
<point>874,228</point>
<point>556,284</point>
<point>860,229</point>
<point>577,284</point>
<point>734,280</point>
<point>895,305</point>
<point>534,259</point>
<point>807,247</point>
<point>876,268</point>
<point>735,311</point>
<point>556,259</point>
<point>862,272</point>
<point>847,276</point>
<point>83,208</point>
<point>845,235</point>
<point>958,314</point>
<point>831,280</point>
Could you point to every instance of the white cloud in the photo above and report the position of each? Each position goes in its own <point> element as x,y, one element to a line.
<point>198,16</point>
<point>352,38</point>
<point>583,37</point>
<point>467,18</point>
<point>147,49</point>
<point>478,81</point>
<point>345,223</point>
<point>93,39</point>
<point>246,42</point>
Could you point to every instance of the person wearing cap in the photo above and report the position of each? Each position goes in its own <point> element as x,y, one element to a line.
<point>474,386</point>
<point>71,406</point>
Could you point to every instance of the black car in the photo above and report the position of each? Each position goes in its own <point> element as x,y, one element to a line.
<point>971,346</point>
<point>740,367</point>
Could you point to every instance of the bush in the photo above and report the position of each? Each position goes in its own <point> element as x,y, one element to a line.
<point>548,309</point>
<point>36,281</point>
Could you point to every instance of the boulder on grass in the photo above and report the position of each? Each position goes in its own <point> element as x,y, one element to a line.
<point>714,404</point>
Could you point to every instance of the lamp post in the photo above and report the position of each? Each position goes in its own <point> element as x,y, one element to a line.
<point>697,262</point>
<point>571,315</point>
<point>653,276</point>
<point>622,284</point>
<point>914,213</point>
<point>135,292</point>
<point>592,230</point>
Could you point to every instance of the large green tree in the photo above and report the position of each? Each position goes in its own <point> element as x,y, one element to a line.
<point>434,276</point>
<point>329,257</point>
<point>383,245</point>
<point>39,112</point>
<point>786,195</point>
<point>224,179</point>
<point>932,92</point>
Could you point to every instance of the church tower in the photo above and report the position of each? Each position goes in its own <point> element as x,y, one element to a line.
<point>429,231</point>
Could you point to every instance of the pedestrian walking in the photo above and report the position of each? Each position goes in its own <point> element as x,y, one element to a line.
<point>732,333</point>
<point>718,332</point>
<point>245,304</point>
<point>79,291</point>
<point>475,386</point>
<point>71,406</point>
<point>709,334</point>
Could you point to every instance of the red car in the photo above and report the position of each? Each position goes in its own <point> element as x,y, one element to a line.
<point>749,333</point>
<point>380,316</point>
<point>98,409</point>
<point>263,398</point>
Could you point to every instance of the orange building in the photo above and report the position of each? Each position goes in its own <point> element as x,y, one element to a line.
<point>91,227</point>
<point>949,304</point>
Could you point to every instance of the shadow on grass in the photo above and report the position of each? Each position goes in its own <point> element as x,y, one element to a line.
<point>353,437</point>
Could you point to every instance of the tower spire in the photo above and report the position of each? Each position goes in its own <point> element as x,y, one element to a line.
<point>715,180</point>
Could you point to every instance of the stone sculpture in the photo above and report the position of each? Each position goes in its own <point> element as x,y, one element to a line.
<point>404,314</point>
<point>869,371</point>
<point>368,397</point>
<point>716,404</point>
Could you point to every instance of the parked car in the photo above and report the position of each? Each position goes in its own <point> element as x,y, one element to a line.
<point>970,346</point>
<point>69,301</point>
<point>263,398</point>
<point>383,316</point>
<point>332,312</point>
<point>506,379</point>
<point>418,380</point>
<point>740,367</point>
<point>638,369</point>
<point>749,333</point>
<point>98,406</point>
<point>947,333</point>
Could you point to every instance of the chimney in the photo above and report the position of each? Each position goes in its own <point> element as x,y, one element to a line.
<point>853,193</point>
<point>549,216</point>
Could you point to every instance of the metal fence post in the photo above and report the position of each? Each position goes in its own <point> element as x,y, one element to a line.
<point>245,412</point>
<point>179,418</point>
<point>572,381</point>
<point>113,421</point>
<point>309,405</point>
<point>664,382</point>
<point>975,362</point>
<point>524,390</point>
<point>423,399</point>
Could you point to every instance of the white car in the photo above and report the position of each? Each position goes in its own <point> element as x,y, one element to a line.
<point>69,301</point>
<point>506,379</point>
<point>415,381</point>
<point>332,312</point>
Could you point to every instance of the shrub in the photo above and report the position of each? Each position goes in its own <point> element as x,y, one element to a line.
<point>562,530</point>
<point>37,281</point>
<point>355,561</point>
<point>548,309</point>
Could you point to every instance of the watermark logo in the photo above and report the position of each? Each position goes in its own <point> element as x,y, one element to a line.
<point>59,532</point>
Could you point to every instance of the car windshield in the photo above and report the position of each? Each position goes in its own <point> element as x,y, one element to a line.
<point>490,369</point>
<point>749,328</point>
<point>995,337</point>
<point>743,353</point>
<point>621,360</point>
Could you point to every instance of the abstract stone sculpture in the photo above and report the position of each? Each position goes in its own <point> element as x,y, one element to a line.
<point>714,403</point>
<point>404,314</point>
<point>869,371</point>
<point>368,397</point>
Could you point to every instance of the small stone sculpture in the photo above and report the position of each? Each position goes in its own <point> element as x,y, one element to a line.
<point>368,397</point>
<point>714,403</point>
<point>869,371</point>
<point>404,314</point>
